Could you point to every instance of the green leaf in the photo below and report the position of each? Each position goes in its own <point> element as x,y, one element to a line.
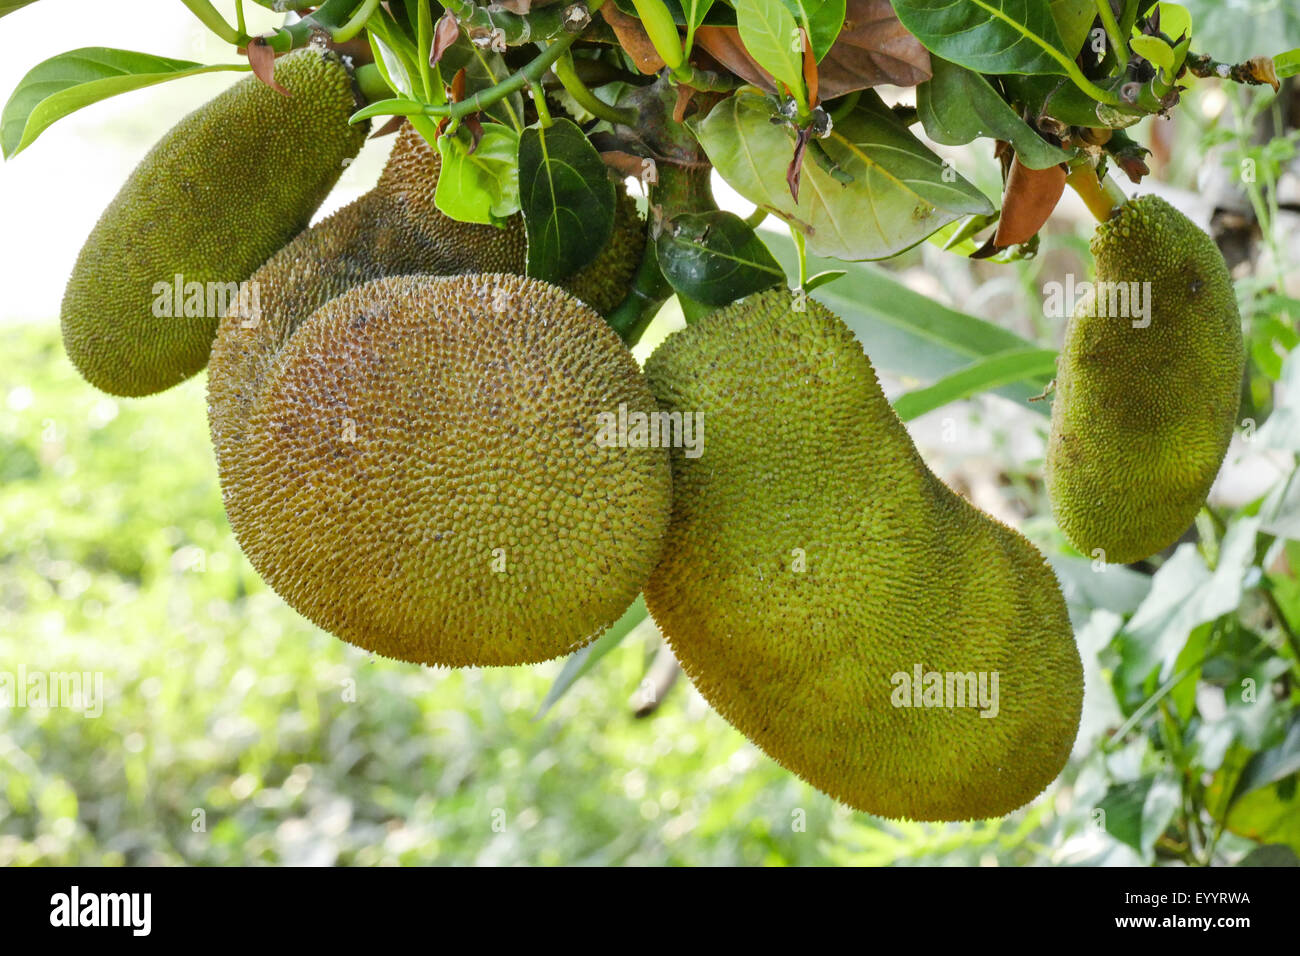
<point>905,332</point>
<point>1272,854</point>
<point>715,258</point>
<point>581,662</point>
<point>1272,765</point>
<point>9,6</point>
<point>1185,594</point>
<point>957,106</point>
<point>1287,64</point>
<point>695,12</point>
<point>988,36</point>
<point>770,35</point>
<point>1138,811</point>
<point>1015,365</point>
<point>901,191</point>
<point>481,186</point>
<point>567,199</point>
<point>65,83</point>
<point>822,278</point>
<point>1073,21</point>
<point>1269,814</point>
<point>1175,20</point>
<point>394,106</point>
<point>821,20</point>
<point>1156,52</point>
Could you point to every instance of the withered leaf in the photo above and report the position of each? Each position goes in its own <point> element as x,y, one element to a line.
<point>1029,198</point>
<point>872,49</point>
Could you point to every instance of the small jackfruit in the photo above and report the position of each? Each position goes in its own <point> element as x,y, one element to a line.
<point>864,625</point>
<point>220,192</point>
<point>423,471</point>
<point>1146,398</point>
<point>394,229</point>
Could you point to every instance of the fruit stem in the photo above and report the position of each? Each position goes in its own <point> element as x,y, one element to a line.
<point>1113,31</point>
<point>214,21</point>
<point>370,80</point>
<point>1103,199</point>
<point>649,292</point>
<point>589,101</point>
<point>358,22</point>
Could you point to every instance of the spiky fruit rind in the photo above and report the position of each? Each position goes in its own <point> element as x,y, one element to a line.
<point>812,557</point>
<point>422,473</point>
<point>1142,414</point>
<point>225,188</point>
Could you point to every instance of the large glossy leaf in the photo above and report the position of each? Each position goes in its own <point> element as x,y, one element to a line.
<point>988,36</point>
<point>567,199</point>
<point>900,193</point>
<point>907,333</point>
<point>1014,365</point>
<point>65,83</point>
<point>770,35</point>
<point>958,105</point>
<point>715,257</point>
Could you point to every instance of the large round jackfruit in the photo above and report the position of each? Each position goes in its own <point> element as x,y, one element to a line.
<point>1145,404</point>
<point>220,192</point>
<point>423,472</point>
<point>817,574</point>
<point>395,229</point>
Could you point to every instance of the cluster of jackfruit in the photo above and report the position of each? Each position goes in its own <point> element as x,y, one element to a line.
<point>409,439</point>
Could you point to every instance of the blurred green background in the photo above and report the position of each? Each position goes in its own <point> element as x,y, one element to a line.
<point>235,732</point>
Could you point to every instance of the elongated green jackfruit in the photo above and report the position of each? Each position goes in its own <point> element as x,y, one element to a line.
<point>423,471</point>
<point>864,625</point>
<point>1147,385</point>
<point>224,189</point>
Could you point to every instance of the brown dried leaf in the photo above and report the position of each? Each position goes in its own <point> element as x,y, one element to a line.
<point>872,49</point>
<point>624,163</point>
<point>444,35</point>
<point>633,38</point>
<point>262,59</point>
<point>1029,198</point>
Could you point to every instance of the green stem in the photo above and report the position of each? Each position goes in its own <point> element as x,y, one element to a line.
<point>1117,40</point>
<point>756,218</point>
<point>371,83</point>
<point>514,83</point>
<point>240,23</point>
<point>329,16</point>
<point>358,22</point>
<point>539,103</point>
<point>424,42</point>
<point>649,292</point>
<point>214,21</point>
<point>589,101</point>
<point>797,236</point>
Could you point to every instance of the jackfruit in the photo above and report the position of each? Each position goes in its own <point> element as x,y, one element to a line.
<point>860,622</point>
<point>395,229</point>
<point>220,192</point>
<point>1146,397</point>
<point>423,472</point>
